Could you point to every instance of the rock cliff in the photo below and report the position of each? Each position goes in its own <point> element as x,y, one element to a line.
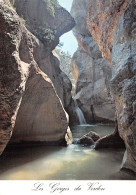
<point>68,85</point>
<point>31,92</point>
<point>102,18</point>
<point>48,21</point>
<point>91,71</point>
<point>65,66</point>
<point>113,26</point>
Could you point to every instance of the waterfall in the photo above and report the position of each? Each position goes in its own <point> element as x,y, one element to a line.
<point>80,114</point>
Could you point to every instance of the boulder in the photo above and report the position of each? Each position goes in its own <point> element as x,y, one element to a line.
<point>44,119</point>
<point>68,137</point>
<point>110,141</point>
<point>86,140</point>
<point>93,135</point>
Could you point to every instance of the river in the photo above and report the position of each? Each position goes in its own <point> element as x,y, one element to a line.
<point>74,162</point>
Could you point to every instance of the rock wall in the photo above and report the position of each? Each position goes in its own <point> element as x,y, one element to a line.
<point>69,86</point>
<point>48,21</point>
<point>13,71</point>
<point>91,71</point>
<point>117,21</point>
<point>30,107</point>
<point>65,66</point>
<point>45,20</point>
<point>102,17</point>
<point>44,119</point>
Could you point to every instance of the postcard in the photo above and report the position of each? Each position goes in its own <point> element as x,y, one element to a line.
<point>67,97</point>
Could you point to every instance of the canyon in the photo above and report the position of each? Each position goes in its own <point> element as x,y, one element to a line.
<point>32,84</point>
<point>40,93</point>
<point>113,26</point>
<point>91,72</point>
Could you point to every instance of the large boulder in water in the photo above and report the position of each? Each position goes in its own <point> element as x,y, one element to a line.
<point>86,140</point>
<point>89,139</point>
<point>93,135</point>
<point>110,141</point>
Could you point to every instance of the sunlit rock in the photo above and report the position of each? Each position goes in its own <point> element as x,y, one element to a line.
<point>112,24</point>
<point>32,97</point>
<point>91,72</point>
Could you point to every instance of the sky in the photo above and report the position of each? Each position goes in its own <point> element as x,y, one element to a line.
<point>70,43</point>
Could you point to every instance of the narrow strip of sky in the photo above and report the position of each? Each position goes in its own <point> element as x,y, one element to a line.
<point>66,4</point>
<point>70,43</point>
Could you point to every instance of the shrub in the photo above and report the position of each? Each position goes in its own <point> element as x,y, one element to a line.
<point>45,33</point>
<point>51,4</point>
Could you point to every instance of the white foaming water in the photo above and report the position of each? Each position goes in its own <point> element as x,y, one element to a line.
<point>80,114</point>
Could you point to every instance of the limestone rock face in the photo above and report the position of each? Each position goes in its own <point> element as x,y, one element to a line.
<point>121,27</point>
<point>30,107</point>
<point>68,86</point>
<point>48,21</point>
<point>91,71</point>
<point>13,71</point>
<point>44,119</point>
<point>123,83</point>
<point>102,17</point>
<point>65,66</point>
<point>45,20</point>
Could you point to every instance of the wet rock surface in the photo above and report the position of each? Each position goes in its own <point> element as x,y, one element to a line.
<point>88,139</point>
<point>110,141</point>
<point>93,135</point>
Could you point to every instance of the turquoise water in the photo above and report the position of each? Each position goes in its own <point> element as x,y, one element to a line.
<point>74,162</point>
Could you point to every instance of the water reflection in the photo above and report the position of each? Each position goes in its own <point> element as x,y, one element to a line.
<point>59,163</point>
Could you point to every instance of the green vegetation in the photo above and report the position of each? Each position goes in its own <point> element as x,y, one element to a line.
<point>51,4</point>
<point>45,33</point>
